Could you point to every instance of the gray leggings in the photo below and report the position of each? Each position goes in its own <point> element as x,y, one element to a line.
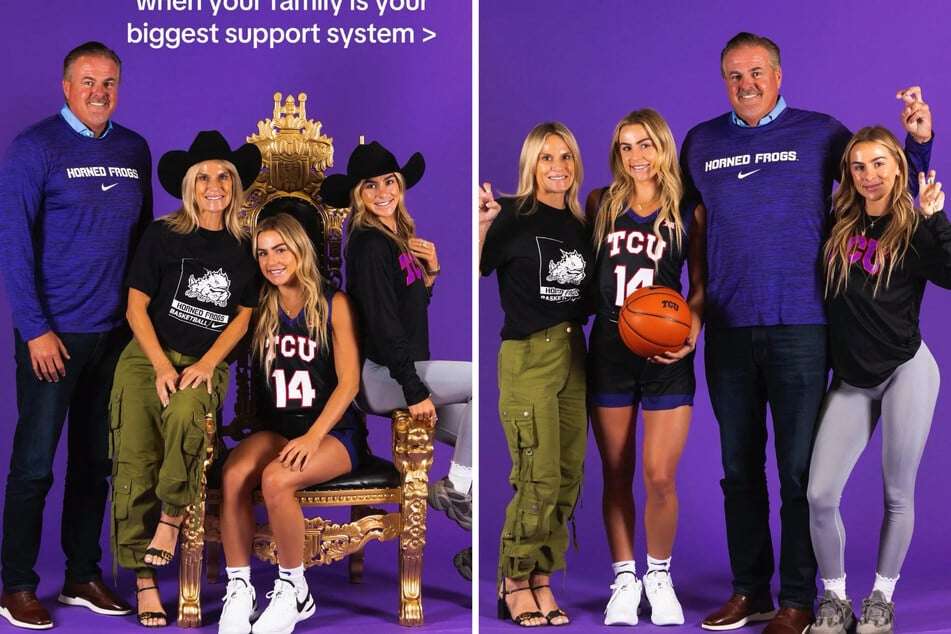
<point>450,386</point>
<point>905,401</point>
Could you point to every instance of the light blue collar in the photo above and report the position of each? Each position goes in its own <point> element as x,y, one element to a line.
<point>772,114</point>
<point>81,127</point>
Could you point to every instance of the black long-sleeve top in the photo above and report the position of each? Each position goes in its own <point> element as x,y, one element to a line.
<point>872,335</point>
<point>388,288</point>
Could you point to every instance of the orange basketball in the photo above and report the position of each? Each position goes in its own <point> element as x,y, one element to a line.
<point>654,320</point>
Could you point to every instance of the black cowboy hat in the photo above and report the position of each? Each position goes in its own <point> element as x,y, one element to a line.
<point>367,161</point>
<point>209,145</point>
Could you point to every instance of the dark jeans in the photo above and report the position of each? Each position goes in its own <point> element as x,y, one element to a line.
<point>746,369</point>
<point>42,406</point>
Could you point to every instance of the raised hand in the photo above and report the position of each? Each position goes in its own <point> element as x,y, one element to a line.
<point>930,196</point>
<point>916,115</point>
<point>488,207</point>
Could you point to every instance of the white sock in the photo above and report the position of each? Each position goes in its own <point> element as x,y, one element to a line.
<point>658,564</point>
<point>836,587</point>
<point>885,585</point>
<point>461,477</point>
<point>624,566</point>
<point>295,576</point>
<point>239,572</point>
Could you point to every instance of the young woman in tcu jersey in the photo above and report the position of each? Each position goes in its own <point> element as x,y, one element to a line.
<point>307,349</point>
<point>879,257</point>
<point>643,232</point>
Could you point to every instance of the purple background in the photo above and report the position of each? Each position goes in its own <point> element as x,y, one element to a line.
<point>587,65</point>
<point>409,97</point>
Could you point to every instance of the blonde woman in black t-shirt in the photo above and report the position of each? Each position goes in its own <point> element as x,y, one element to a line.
<point>539,247</point>
<point>191,292</point>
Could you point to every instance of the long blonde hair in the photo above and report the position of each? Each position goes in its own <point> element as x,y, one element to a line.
<point>363,218</point>
<point>185,219</point>
<point>848,207</point>
<point>525,198</point>
<point>618,197</point>
<point>315,308</point>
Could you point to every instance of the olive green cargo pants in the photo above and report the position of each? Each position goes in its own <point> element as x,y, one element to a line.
<point>157,452</point>
<point>542,407</point>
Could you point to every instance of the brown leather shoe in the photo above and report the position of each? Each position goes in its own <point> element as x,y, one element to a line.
<point>23,609</point>
<point>738,611</point>
<point>94,595</point>
<point>789,621</point>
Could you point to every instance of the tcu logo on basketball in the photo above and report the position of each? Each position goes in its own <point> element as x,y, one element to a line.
<point>666,303</point>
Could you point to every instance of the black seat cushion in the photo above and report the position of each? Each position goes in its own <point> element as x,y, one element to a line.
<point>373,473</point>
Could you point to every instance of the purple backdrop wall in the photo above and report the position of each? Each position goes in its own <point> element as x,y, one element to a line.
<point>409,96</point>
<point>587,65</point>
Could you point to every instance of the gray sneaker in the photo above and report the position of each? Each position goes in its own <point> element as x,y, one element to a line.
<point>834,615</point>
<point>463,563</point>
<point>458,506</point>
<point>878,615</point>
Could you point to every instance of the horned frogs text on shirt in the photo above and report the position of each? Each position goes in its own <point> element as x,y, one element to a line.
<point>214,287</point>
<point>749,159</point>
<point>98,171</point>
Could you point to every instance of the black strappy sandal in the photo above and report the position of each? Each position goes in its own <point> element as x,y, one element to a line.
<point>145,616</point>
<point>164,557</point>
<point>554,614</point>
<point>505,613</point>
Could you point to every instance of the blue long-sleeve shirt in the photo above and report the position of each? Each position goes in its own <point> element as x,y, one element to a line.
<point>71,211</point>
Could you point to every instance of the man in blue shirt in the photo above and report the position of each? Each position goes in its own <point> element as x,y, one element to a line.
<point>764,172</point>
<point>75,195</point>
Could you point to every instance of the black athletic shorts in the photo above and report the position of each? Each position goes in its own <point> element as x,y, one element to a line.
<point>353,435</point>
<point>619,378</point>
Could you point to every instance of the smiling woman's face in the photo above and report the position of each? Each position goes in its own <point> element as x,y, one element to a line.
<point>554,172</point>
<point>213,187</point>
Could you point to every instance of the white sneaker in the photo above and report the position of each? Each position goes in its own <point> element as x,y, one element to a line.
<point>625,600</point>
<point>659,590</point>
<point>240,604</point>
<point>285,610</point>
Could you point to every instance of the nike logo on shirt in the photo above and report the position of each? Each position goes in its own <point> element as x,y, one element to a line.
<point>106,188</point>
<point>742,175</point>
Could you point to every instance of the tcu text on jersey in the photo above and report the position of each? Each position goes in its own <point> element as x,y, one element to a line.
<point>298,387</point>
<point>633,242</point>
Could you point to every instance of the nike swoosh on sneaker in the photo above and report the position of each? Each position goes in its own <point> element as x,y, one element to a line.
<point>106,188</point>
<point>306,603</point>
<point>742,175</point>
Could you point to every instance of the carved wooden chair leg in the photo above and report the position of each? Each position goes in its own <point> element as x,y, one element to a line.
<point>192,538</point>
<point>412,455</point>
<point>411,559</point>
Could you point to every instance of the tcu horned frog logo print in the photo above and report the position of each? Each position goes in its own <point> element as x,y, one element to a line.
<point>213,287</point>
<point>562,271</point>
<point>195,299</point>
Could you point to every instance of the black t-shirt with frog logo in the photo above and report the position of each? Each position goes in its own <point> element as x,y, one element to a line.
<point>544,264</point>
<point>195,282</point>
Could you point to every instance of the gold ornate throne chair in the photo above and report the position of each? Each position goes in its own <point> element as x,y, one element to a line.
<point>295,156</point>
